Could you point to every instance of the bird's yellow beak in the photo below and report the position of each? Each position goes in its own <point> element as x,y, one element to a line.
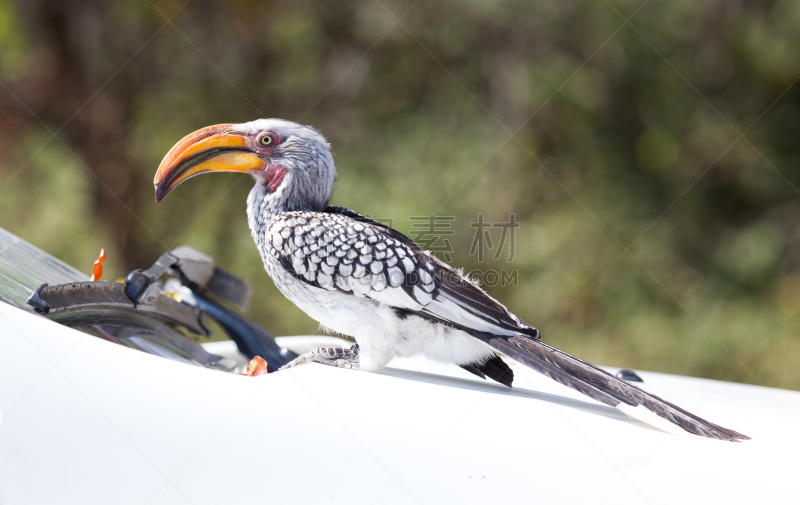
<point>212,149</point>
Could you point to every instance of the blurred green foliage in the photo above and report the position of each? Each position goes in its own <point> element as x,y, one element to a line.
<point>654,165</point>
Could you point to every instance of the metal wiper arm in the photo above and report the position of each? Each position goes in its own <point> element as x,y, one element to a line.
<point>195,270</point>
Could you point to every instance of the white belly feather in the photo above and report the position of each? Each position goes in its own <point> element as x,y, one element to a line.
<point>381,334</point>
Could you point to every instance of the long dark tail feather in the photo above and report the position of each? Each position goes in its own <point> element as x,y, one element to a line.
<point>495,368</point>
<point>602,386</point>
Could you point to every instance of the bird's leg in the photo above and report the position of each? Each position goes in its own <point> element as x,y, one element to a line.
<point>333,356</point>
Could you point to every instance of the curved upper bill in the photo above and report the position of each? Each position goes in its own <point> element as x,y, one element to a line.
<point>212,149</point>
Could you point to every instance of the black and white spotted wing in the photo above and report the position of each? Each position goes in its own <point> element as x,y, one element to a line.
<point>341,250</point>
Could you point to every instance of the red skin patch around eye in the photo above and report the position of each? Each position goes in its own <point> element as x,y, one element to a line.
<point>275,175</point>
<point>266,150</point>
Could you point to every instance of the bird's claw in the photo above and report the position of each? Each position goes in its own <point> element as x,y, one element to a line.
<point>332,356</point>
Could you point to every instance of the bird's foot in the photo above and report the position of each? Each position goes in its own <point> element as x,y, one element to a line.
<point>333,356</point>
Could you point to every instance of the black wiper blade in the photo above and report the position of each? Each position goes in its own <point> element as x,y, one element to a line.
<point>79,296</point>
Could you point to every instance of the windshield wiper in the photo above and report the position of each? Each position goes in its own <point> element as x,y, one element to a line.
<point>200,280</point>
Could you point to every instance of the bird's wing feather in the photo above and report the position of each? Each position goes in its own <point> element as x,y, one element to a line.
<point>342,250</point>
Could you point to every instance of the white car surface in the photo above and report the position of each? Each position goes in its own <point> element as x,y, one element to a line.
<point>86,421</point>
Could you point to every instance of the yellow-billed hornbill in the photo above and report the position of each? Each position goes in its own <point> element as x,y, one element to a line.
<point>361,278</point>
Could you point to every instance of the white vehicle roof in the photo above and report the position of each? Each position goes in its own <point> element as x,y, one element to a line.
<point>87,421</point>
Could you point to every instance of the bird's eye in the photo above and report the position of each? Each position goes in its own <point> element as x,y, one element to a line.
<point>267,140</point>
